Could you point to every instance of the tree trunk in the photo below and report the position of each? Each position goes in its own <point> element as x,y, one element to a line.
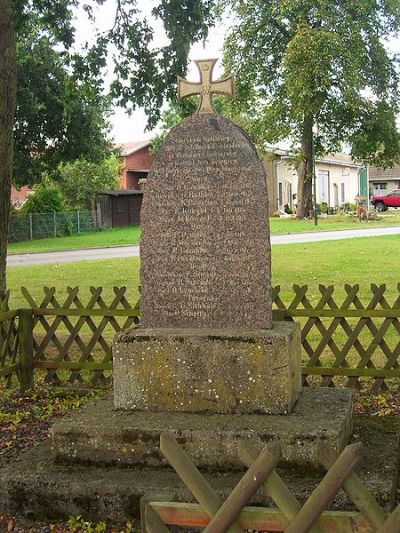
<point>305,172</point>
<point>8,85</point>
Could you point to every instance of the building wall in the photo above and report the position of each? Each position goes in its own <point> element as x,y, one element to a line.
<point>337,183</point>
<point>342,178</point>
<point>142,159</point>
<point>18,197</point>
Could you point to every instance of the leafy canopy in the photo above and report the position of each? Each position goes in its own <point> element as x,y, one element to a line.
<point>62,109</point>
<point>80,180</point>
<point>323,61</point>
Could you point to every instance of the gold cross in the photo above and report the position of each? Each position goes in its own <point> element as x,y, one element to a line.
<point>207,87</point>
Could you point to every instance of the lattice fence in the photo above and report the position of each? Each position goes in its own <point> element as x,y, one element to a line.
<point>8,342</point>
<point>216,516</point>
<point>348,334</point>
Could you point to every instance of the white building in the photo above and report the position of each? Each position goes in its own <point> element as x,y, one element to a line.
<point>339,179</point>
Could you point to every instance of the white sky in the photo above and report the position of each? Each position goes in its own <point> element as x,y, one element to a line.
<point>132,128</point>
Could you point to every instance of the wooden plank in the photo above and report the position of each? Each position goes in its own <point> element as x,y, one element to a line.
<point>392,524</point>
<point>251,481</point>
<point>259,518</point>
<point>7,370</point>
<point>355,489</point>
<point>9,315</point>
<point>343,313</point>
<point>25,337</point>
<point>191,476</point>
<point>86,312</point>
<point>73,365</point>
<point>274,486</point>
<point>322,496</point>
<point>352,372</point>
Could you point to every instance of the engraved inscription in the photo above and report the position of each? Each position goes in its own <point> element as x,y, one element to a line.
<point>205,241</point>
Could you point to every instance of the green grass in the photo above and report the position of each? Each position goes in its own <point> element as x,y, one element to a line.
<point>363,261</point>
<point>131,235</point>
<point>332,223</point>
<point>94,239</point>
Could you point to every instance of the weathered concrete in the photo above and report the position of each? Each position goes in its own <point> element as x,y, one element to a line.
<point>98,434</point>
<point>37,488</point>
<point>208,370</point>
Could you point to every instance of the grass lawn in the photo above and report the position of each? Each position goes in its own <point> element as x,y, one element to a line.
<point>131,235</point>
<point>363,261</point>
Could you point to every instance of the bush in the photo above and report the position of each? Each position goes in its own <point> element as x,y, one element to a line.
<point>287,209</point>
<point>45,200</point>
<point>324,207</point>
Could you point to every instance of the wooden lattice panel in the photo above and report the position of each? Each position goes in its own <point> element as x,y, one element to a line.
<point>8,341</point>
<point>347,334</point>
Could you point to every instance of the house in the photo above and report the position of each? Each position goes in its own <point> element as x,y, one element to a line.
<point>383,181</point>
<point>136,161</point>
<point>19,196</point>
<point>338,179</point>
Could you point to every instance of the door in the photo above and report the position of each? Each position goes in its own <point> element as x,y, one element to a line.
<point>323,187</point>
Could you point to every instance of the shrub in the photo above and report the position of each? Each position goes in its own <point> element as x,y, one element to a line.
<point>45,200</point>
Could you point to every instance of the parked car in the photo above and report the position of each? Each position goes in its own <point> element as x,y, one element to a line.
<point>381,203</point>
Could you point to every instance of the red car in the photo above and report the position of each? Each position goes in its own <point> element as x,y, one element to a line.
<point>381,203</point>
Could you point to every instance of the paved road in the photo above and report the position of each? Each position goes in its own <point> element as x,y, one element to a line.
<point>133,251</point>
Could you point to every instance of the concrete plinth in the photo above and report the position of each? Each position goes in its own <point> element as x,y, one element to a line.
<point>208,370</point>
<point>37,488</point>
<point>100,435</point>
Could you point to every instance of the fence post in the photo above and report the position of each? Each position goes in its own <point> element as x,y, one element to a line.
<point>25,338</point>
<point>55,223</point>
<point>30,227</point>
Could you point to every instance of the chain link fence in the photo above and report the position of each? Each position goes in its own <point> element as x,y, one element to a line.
<point>42,225</point>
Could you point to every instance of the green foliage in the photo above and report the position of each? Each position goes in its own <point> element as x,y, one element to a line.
<point>80,180</point>
<point>45,200</point>
<point>323,61</point>
<point>59,117</point>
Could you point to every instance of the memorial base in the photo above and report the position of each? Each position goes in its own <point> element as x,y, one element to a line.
<point>208,370</point>
<point>101,435</point>
<point>37,488</point>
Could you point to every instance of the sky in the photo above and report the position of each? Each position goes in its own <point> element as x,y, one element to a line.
<point>132,128</point>
<point>127,128</point>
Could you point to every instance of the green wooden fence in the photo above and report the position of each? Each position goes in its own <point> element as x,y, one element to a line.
<point>348,335</point>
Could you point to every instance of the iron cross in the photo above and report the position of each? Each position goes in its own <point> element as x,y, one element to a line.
<point>207,87</point>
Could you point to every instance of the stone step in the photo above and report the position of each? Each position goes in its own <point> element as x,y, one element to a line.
<point>98,434</point>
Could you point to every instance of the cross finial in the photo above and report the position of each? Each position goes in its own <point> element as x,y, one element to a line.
<point>207,87</point>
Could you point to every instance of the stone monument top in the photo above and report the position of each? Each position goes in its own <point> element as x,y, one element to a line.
<point>207,87</point>
<point>205,247</point>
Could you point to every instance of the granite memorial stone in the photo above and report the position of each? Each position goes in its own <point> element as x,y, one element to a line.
<point>205,248</point>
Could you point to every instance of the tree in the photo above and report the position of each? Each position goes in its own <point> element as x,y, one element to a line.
<point>143,74</point>
<point>302,63</point>
<point>80,180</point>
<point>58,116</point>
<point>8,85</point>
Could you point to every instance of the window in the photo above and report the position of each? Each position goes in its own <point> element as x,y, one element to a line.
<point>379,188</point>
<point>280,194</point>
<point>342,193</point>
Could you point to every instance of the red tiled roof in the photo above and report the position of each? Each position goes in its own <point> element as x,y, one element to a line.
<point>132,147</point>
